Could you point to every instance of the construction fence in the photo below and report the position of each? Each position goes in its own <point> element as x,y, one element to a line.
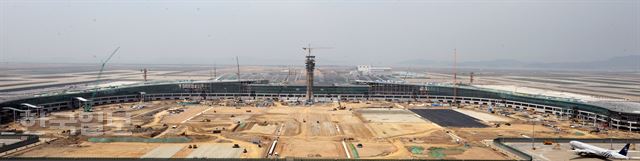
<point>25,140</point>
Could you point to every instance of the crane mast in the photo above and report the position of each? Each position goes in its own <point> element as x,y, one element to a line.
<point>88,104</point>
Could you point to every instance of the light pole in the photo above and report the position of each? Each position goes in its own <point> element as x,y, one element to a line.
<point>533,134</point>
<point>611,143</point>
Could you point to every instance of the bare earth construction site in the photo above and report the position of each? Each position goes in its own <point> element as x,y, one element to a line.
<point>364,130</point>
<point>223,129</point>
<point>319,80</point>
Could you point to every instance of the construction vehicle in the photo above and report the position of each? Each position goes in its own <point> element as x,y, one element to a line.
<point>340,107</point>
<point>548,142</point>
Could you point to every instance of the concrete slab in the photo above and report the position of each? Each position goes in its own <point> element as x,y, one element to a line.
<point>215,151</point>
<point>390,115</point>
<point>164,151</point>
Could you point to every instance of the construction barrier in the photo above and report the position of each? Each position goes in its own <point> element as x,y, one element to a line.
<point>25,140</point>
<point>499,143</point>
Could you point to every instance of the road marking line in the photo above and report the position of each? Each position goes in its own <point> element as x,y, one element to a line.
<point>196,115</point>
<point>344,145</point>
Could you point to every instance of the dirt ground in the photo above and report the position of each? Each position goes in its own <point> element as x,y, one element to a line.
<point>98,150</point>
<point>384,130</point>
<point>372,149</point>
<point>301,130</point>
<point>311,149</point>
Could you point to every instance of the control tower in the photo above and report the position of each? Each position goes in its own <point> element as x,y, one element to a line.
<point>310,65</point>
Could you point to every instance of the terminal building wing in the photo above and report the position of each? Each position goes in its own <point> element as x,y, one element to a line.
<point>619,115</point>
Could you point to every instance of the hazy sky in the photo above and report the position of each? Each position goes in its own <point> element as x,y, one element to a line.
<point>358,32</point>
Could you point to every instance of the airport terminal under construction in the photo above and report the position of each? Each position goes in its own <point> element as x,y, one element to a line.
<point>362,120</point>
<point>612,114</point>
<point>319,80</point>
<point>257,118</point>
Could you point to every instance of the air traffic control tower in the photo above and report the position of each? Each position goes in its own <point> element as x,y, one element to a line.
<point>310,66</point>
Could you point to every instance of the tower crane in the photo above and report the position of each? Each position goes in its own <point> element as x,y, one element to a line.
<point>144,73</point>
<point>88,104</point>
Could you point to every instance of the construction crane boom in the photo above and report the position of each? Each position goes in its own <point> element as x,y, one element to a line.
<point>144,74</point>
<point>215,72</point>
<point>455,76</point>
<point>88,104</point>
<point>238,65</point>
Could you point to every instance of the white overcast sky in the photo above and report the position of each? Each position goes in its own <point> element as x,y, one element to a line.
<point>358,31</point>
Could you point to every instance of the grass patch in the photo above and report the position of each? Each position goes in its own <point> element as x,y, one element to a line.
<point>436,152</point>
<point>416,149</point>
<point>441,153</point>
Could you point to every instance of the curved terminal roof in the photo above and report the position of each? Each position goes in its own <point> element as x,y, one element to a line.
<point>620,106</point>
<point>613,105</point>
